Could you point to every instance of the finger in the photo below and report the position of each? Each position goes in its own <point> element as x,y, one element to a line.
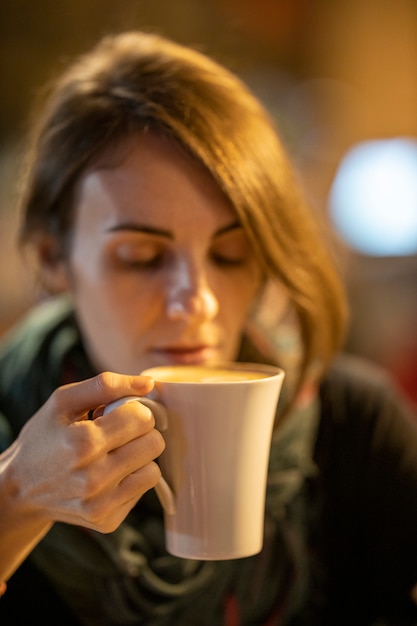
<point>95,472</point>
<point>136,484</point>
<point>77,399</point>
<point>107,473</point>
<point>134,455</point>
<point>126,423</point>
<point>158,410</point>
<point>106,512</point>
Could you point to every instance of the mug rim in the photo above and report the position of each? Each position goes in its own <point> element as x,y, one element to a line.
<point>270,371</point>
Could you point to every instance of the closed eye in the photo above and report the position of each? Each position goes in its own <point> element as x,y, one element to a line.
<point>138,255</point>
<point>228,261</point>
<point>151,263</point>
<point>231,248</point>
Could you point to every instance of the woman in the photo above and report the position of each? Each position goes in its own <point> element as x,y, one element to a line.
<point>162,208</point>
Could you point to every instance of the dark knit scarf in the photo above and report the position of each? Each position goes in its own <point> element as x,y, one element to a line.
<point>127,578</point>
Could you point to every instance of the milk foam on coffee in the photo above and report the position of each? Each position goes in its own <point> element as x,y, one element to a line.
<point>201,374</point>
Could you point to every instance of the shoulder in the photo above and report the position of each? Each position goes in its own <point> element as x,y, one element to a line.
<point>30,340</point>
<point>355,388</point>
<point>365,418</point>
<point>32,329</point>
<point>366,453</point>
<point>350,374</point>
<point>30,356</point>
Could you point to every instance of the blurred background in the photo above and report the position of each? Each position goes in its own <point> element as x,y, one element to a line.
<point>340,78</point>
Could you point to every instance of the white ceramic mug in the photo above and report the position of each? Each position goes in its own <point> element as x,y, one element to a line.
<point>217,427</point>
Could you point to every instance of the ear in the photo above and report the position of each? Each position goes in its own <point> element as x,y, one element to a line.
<point>52,262</point>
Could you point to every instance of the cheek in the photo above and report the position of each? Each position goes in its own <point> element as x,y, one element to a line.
<point>124,303</point>
<point>239,295</point>
<point>98,294</point>
<point>91,276</point>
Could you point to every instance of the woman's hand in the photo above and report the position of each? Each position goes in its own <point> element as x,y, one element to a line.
<point>66,467</point>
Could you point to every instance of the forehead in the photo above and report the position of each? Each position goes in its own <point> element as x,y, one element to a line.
<point>151,178</point>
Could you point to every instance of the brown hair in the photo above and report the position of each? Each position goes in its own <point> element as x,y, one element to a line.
<point>134,81</point>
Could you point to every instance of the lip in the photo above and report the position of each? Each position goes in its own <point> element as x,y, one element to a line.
<point>184,355</point>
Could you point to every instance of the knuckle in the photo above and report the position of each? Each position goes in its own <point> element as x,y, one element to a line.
<point>108,526</point>
<point>93,513</point>
<point>145,478</point>
<point>105,381</point>
<point>156,443</point>
<point>154,473</point>
<point>84,446</point>
<point>149,476</point>
<point>100,516</point>
<point>57,400</point>
<point>147,417</point>
<point>89,485</point>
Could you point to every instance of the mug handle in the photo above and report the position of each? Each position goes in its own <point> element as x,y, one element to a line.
<point>163,490</point>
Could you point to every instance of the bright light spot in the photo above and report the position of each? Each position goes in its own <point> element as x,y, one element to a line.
<point>373,199</point>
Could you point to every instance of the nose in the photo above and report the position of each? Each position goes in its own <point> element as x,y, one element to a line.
<point>189,295</point>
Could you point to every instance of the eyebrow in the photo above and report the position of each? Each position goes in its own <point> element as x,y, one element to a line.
<point>162,232</point>
<point>141,228</point>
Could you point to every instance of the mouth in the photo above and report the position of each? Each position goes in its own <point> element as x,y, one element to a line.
<point>183,355</point>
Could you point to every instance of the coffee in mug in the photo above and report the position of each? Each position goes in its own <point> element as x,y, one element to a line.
<point>202,374</point>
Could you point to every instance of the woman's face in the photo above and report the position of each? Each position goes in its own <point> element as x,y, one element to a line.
<point>160,269</point>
